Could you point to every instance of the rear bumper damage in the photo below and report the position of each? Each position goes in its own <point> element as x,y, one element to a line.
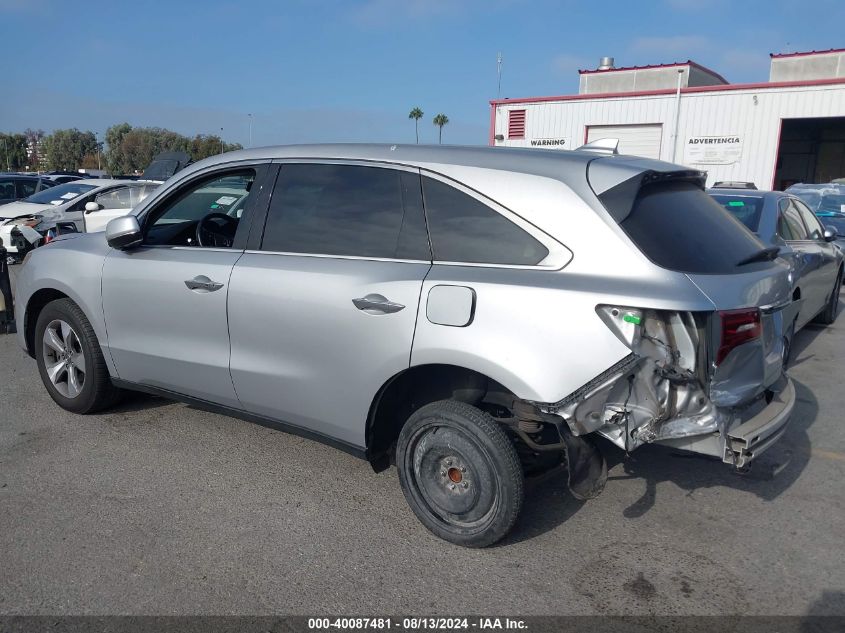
<point>669,391</point>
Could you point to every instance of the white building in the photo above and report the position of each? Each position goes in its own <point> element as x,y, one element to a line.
<point>789,129</point>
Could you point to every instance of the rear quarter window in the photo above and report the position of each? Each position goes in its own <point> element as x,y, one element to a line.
<point>679,227</point>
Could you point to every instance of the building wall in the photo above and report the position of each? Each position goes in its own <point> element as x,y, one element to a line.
<point>752,114</point>
<point>808,67</point>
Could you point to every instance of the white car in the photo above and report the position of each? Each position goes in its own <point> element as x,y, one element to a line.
<point>89,204</point>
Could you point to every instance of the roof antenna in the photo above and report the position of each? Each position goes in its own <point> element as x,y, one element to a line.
<point>499,75</point>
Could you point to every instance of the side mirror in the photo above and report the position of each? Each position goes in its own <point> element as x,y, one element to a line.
<point>92,206</point>
<point>830,234</point>
<point>124,232</point>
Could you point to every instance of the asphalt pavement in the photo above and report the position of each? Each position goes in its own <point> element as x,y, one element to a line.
<point>159,508</point>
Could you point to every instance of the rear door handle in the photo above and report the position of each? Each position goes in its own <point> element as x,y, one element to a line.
<point>377,304</point>
<point>201,283</point>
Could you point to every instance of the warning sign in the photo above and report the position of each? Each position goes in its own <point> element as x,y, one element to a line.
<point>713,150</point>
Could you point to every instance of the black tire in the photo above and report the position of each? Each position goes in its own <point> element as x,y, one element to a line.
<point>473,507</point>
<point>96,391</point>
<point>828,315</point>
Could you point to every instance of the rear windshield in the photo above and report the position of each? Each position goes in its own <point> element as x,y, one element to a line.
<point>746,209</point>
<point>679,227</point>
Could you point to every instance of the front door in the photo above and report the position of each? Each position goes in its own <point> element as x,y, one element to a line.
<point>165,301</point>
<point>323,313</point>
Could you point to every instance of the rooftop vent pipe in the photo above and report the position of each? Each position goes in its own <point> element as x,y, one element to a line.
<point>606,63</point>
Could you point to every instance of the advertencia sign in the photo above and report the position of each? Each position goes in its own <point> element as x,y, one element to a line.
<point>713,150</point>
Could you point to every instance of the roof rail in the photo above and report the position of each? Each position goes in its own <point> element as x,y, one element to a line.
<point>602,146</point>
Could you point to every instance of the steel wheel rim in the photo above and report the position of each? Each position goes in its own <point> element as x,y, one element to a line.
<point>64,360</point>
<point>471,508</point>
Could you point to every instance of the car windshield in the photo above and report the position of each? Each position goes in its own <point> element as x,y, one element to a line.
<point>746,209</point>
<point>59,194</point>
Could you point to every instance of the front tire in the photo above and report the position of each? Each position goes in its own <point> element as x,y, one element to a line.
<point>70,360</point>
<point>460,473</point>
<point>828,315</point>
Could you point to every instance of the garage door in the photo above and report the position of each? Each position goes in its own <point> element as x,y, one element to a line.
<point>637,140</point>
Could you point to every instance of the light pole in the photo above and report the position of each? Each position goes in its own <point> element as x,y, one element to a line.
<point>221,140</point>
<point>250,129</point>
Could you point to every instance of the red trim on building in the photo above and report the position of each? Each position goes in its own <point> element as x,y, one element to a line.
<point>671,91</point>
<point>689,62</point>
<point>806,53</point>
<point>492,140</point>
<point>777,153</point>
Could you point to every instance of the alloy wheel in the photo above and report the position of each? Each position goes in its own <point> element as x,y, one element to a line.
<point>64,359</point>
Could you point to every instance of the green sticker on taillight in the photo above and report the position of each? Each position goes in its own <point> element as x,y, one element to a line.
<point>736,203</point>
<point>632,318</point>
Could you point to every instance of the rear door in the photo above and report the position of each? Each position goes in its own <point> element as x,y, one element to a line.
<point>322,307</point>
<point>807,257</point>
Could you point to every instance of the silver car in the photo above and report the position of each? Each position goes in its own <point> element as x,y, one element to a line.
<point>475,316</point>
<point>785,223</point>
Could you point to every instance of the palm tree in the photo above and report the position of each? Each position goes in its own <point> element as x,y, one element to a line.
<point>440,120</point>
<point>416,114</point>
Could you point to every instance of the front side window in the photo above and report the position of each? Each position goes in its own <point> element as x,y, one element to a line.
<point>810,220</point>
<point>346,210</point>
<point>790,226</point>
<point>466,230</point>
<point>127,197</point>
<point>205,213</point>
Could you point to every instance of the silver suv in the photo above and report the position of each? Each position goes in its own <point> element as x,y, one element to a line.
<point>474,315</point>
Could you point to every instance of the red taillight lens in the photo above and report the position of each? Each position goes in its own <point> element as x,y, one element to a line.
<point>738,327</point>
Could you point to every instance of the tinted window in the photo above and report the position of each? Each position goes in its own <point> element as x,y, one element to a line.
<point>810,220</point>
<point>746,209</point>
<point>27,187</point>
<point>679,227</point>
<point>7,189</point>
<point>463,229</point>
<point>790,226</point>
<point>346,210</point>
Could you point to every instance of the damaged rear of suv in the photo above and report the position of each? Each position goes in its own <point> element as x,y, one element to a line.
<point>474,316</point>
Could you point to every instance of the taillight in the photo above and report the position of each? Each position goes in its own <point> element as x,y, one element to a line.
<point>738,327</point>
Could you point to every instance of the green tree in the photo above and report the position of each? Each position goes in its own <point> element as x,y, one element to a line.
<point>65,149</point>
<point>13,156</point>
<point>440,120</point>
<point>115,161</point>
<point>416,114</point>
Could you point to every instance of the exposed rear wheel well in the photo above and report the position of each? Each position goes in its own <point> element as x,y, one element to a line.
<point>796,294</point>
<point>36,303</point>
<point>416,387</point>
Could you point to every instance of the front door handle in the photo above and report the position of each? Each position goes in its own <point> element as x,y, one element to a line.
<point>201,283</point>
<point>376,304</point>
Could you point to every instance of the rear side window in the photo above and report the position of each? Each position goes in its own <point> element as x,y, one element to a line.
<point>746,209</point>
<point>347,210</point>
<point>26,188</point>
<point>463,229</point>
<point>679,227</point>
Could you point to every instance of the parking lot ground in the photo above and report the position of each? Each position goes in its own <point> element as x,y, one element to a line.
<point>160,508</point>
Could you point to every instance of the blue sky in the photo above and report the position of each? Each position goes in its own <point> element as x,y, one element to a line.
<point>333,70</point>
